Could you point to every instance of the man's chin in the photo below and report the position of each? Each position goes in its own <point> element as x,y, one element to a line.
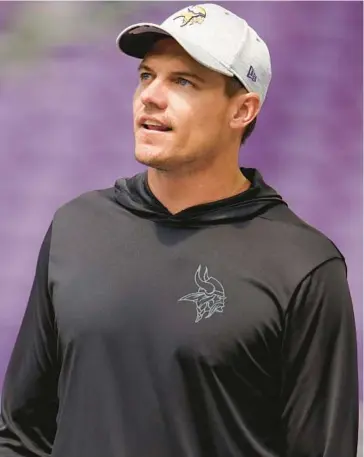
<point>154,159</point>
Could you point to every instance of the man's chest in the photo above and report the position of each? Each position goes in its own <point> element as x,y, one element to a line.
<point>196,297</point>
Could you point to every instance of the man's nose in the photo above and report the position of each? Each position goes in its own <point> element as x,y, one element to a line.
<point>154,94</point>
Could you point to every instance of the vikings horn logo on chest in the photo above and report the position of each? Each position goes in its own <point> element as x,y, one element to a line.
<point>210,297</point>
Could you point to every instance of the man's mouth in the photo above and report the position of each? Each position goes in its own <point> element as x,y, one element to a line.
<point>156,128</point>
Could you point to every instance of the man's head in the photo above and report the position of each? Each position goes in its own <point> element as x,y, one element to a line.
<point>203,78</point>
<point>195,103</point>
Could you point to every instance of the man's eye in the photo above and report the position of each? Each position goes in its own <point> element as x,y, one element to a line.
<point>184,82</point>
<point>144,76</point>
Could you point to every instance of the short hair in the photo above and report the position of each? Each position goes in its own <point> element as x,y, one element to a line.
<point>232,86</point>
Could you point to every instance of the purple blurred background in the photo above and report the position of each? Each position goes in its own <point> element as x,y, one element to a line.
<point>66,122</point>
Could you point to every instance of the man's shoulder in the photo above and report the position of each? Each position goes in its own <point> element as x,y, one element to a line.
<point>86,210</point>
<point>299,240</point>
<point>86,200</point>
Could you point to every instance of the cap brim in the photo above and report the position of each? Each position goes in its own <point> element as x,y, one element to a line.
<point>138,39</point>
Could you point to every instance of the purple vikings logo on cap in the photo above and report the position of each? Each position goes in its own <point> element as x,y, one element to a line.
<point>193,15</point>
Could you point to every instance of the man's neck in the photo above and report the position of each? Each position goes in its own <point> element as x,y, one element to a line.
<point>181,191</point>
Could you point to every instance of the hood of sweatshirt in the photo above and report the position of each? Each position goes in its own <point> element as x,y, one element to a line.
<point>135,196</point>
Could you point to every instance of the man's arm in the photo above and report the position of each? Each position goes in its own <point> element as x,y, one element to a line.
<point>29,399</point>
<point>320,377</point>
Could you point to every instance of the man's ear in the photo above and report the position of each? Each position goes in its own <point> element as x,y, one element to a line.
<point>245,108</point>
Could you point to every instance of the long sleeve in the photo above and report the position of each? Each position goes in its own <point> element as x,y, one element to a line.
<point>320,378</point>
<point>29,399</point>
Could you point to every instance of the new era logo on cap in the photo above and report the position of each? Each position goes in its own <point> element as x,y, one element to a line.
<point>251,74</point>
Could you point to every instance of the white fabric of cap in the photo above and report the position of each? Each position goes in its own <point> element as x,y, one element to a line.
<point>216,38</point>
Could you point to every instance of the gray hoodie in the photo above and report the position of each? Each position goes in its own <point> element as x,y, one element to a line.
<point>226,330</point>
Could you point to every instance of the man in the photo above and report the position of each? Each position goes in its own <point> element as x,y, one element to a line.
<point>187,311</point>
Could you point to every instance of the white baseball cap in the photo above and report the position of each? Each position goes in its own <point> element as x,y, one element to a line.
<point>213,36</point>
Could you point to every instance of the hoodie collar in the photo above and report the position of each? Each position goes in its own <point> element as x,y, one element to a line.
<point>136,197</point>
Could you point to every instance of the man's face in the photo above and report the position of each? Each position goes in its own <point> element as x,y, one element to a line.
<point>187,104</point>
